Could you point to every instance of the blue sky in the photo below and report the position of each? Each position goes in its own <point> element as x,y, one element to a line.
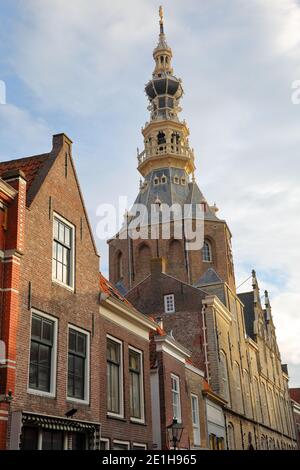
<point>80,68</point>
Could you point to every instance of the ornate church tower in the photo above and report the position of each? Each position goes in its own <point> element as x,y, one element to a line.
<point>167,166</point>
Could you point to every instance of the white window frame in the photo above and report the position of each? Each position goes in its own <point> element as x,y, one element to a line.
<point>142,394</point>
<point>70,287</point>
<point>123,443</point>
<point>168,297</point>
<point>141,446</point>
<point>177,380</point>
<point>33,391</point>
<point>106,441</point>
<point>110,413</point>
<point>86,399</point>
<point>196,426</point>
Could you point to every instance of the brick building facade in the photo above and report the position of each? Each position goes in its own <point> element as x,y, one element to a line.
<point>231,337</point>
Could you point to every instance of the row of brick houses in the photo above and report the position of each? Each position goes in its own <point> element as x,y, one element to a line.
<point>81,367</point>
<point>87,363</point>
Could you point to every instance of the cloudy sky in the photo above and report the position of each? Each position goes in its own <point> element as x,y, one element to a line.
<point>80,67</point>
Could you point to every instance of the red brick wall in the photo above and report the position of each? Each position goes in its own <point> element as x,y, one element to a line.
<point>168,365</point>
<point>76,308</point>
<point>123,429</point>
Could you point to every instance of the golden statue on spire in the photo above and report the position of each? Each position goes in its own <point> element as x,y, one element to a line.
<point>161,21</point>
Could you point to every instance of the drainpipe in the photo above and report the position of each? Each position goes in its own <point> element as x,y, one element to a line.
<point>205,343</point>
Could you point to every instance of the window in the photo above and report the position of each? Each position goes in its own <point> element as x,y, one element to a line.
<point>257,401</point>
<point>231,439</point>
<point>114,377</point>
<point>224,377</point>
<point>119,266</point>
<point>169,303</point>
<point>156,181</point>
<point>136,446</point>
<point>163,179</point>
<point>248,399</point>
<point>136,384</point>
<point>195,419</point>
<point>121,445</point>
<point>53,440</point>
<point>183,181</point>
<point>176,179</point>
<point>78,364</point>
<point>265,405</point>
<point>63,252</point>
<point>42,368</point>
<point>175,385</point>
<point>238,389</point>
<point>206,251</point>
<point>104,444</point>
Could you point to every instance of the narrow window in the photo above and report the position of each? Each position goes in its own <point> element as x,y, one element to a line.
<point>224,377</point>
<point>195,419</point>
<point>136,384</point>
<point>114,377</point>
<point>63,251</point>
<point>231,438</point>
<point>206,251</point>
<point>77,364</point>
<point>169,302</point>
<point>175,385</point>
<point>42,360</point>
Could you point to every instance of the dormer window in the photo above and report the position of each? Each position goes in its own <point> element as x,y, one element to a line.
<point>183,181</point>
<point>176,179</point>
<point>163,179</point>
<point>156,181</point>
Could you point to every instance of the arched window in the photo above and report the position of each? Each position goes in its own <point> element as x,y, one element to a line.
<point>176,258</point>
<point>265,410</point>
<point>224,385</point>
<point>238,389</point>
<point>161,138</point>
<point>206,251</point>
<point>143,261</point>
<point>230,434</point>
<point>248,398</point>
<point>119,266</point>
<point>257,401</point>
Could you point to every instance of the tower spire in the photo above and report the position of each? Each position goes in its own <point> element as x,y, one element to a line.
<point>161,21</point>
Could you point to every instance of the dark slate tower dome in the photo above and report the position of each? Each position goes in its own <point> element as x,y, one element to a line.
<point>164,89</point>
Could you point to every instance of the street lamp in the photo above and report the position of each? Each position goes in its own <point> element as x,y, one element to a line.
<point>174,433</point>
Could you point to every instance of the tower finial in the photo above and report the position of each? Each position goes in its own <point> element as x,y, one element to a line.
<point>161,21</point>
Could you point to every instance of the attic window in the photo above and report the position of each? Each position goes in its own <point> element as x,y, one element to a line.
<point>156,181</point>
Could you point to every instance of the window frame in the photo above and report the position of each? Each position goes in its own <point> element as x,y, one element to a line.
<point>86,400</point>
<point>106,441</point>
<point>121,379</point>
<point>53,367</point>
<point>196,426</point>
<point>208,243</point>
<point>123,443</point>
<point>166,296</point>
<point>70,286</point>
<point>139,446</point>
<point>177,380</point>
<point>142,393</point>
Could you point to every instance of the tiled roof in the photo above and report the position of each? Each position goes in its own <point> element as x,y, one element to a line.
<point>29,165</point>
<point>248,300</point>
<point>35,169</point>
<point>108,288</point>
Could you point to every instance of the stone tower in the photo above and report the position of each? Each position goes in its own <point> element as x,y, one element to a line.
<point>167,166</point>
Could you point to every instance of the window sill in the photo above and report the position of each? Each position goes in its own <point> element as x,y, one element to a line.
<point>117,417</point>
<point>138,421</point>
<point>65,286</point>
<point>40,393</point>
<point>77,400</point>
